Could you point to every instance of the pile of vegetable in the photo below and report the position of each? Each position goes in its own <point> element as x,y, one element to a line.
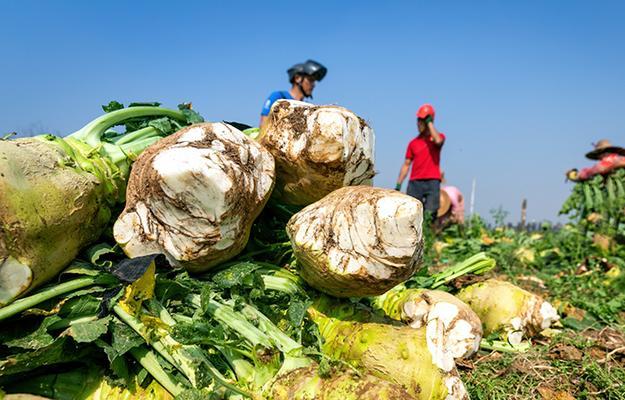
<point>598,205</point>
<point>217,267</point>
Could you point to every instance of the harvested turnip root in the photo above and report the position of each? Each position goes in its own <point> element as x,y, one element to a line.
<point>451,325</point>
<point>193,196</point>
<point>56,194</point>
<point>399,354</point>
<point>318,149</point>
<point>358,241</point>
<point>508,310</point>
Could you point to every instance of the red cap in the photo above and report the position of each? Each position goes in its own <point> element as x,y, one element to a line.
<point>426,110</point>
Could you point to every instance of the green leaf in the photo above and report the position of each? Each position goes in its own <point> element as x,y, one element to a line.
<point>297,311</point>
<point>86,332</point>
<point>38,339</point>
<point>235,274</point>
<point>112,106</point>
<point>120,367</point>
<point>80,307</point>
<point>164,125</point>
<point>199,394</point>
<point>78,267</point>
<point>144,104</point>
<point>575,324</point>
<point>60,351</point>
<point>123,338</point>
<point>101,254</point>
<point>192,117</point>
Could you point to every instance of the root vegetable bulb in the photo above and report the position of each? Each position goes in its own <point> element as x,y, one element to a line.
<point>509,310</point>
<point>48,212</point>
<point>358,241</point>
<point>194,195</point>
<point>399,354</point>
<point>305,383</point>
<point>56,194</point>
<point>318,149</point>
<point>451,325</point>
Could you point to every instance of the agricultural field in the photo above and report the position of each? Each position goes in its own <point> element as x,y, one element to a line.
<point>191,260</point>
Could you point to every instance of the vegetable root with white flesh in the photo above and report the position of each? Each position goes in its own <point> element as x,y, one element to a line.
<point>56,194</point>
<point>399,354</point>
<point>447,319</point>
<point>194,195</point>
<point>508,310</point>
<point>358,241</point>
<point>318,149</point>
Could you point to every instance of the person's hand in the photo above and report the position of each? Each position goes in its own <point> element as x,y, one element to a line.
<point>398,187</point>
<point>572,175</point>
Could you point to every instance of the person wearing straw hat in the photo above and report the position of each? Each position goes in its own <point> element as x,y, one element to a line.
<point>610,158</point>
<point>451,210</point>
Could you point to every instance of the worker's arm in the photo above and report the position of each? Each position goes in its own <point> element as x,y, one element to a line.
<point>604,166</point>
<point>436,137</point>
<point>264,113</point>
<point>402,173</point>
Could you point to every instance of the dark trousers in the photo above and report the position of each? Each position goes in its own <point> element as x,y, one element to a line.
<point>428,192</point>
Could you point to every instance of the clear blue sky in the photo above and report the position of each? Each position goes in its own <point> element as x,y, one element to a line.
<point>521,90</point>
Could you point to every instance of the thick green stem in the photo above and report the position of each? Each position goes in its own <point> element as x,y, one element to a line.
<point>190,360</point>
<point>148,360</point>
<point>93,131</point>
<point>31,301</point>
<point>233,320</point>
<point>281,340</point>
<point>148,131</point>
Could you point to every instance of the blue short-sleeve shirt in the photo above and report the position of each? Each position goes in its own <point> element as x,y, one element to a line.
<point>273,97</point>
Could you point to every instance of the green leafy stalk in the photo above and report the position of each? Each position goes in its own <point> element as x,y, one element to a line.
<point>477,264</point>
<point>148,360</point>
<point>49,293</point>
<point>226,315</point>
<point>504,347</point>
<point>188,359</point>
<point>93,131</point>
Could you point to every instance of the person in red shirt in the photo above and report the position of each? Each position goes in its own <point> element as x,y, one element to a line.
<point>424,153</point>
<point>610,158</point>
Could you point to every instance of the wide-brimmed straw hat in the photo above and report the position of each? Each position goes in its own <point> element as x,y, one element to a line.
<point>445,204</point>
<point>604,146</point>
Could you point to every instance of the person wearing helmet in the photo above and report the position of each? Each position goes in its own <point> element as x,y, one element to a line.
<point>424,154</point>
<point>303,77</point>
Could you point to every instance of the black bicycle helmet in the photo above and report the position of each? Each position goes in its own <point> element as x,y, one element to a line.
<point>310,67</point>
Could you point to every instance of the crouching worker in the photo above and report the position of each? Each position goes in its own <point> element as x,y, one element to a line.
<point>451,210</point>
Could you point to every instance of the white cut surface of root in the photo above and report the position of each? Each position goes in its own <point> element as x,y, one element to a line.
<point>358,241</point>
<point>317,149</point>
<point>455,388</point>
<point>193,196</point>
<point>15,278</point>
<point>453,329</point>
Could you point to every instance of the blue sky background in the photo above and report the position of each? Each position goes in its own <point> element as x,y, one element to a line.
<point>521,89</point>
